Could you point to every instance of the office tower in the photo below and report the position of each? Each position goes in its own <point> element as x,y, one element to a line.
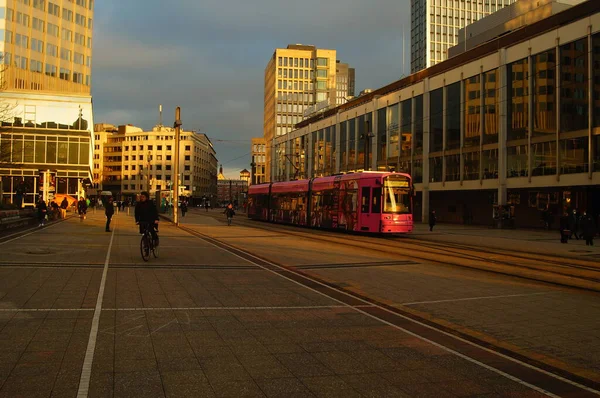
<point>435,25</point>
<point>45,99</point>
<point>345,85</point>
<point>297,78</point>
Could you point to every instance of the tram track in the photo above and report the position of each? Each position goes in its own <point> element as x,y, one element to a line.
<point>545,373</point>
<point>570,272</point>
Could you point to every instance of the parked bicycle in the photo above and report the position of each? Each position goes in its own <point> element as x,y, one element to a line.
<point>148,243</point>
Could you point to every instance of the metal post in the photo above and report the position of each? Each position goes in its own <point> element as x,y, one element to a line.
<point>176,170</point>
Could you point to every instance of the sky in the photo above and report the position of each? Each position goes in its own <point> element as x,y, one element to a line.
<point>209,56</point>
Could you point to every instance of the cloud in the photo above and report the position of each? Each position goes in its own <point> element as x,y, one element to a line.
<point>209,58</point>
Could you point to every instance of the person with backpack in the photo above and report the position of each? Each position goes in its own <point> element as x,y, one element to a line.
<point>229,212</point>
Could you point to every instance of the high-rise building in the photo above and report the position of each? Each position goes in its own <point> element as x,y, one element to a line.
<point>45,99</point>
<point>345,85</point>
<point>435,25</point>
<point>297,78</point>
<point>259,161</point>
<point>128,160</point>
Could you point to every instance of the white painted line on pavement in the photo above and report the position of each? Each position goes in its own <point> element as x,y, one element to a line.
<point>476,298</point>
<point>463,356</point>
<point>86,371</point>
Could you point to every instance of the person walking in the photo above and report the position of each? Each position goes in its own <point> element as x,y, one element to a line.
<point>574,224</point>
<point>432,220</point>
<point>184,208</point>
<point>588,229</point>
<point>42,210</point>
<point>82,208</point>
<point>109,211</point>
<point>206,205</point>
<point>229,212</point>
<point>63,207</point>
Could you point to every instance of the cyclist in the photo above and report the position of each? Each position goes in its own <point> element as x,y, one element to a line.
<point>146,216</point>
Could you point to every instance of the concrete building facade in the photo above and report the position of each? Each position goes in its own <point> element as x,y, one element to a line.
<point>259,161</point>
<point>435,26</point>
<point>45,102</point>
<point>131,160</point>
<point>297,78</point>
<point>512,122</point>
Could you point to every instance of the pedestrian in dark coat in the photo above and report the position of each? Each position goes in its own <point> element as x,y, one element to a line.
<point>574,224</point>
<point>229,212</point>
<point>184,208</point>
<point>82,208</point>
<point>432,220</point>
<point>109,211</point>
<point>42,209</point>
<point>588,229</point>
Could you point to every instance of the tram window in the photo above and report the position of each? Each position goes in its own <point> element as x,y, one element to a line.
<point>366,199</point>
<point>376,204</point>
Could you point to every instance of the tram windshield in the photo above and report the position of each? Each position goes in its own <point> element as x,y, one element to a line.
<point>396,195</point>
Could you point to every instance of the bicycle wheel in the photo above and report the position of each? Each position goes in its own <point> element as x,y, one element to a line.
<point>155,251</point>
<point>145,248</point>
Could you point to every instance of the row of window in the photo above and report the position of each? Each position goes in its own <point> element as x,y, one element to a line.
<point>23,40</point>
<point>301,62</point>
<point>299,74</point>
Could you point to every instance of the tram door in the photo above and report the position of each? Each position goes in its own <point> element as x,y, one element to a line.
<point>366,219</point>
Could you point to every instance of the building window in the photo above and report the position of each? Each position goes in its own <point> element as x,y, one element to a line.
<point>436,121</point>
<point>453,116</point>
<point>472,111</point>
<point>491,112</point>
<point>187,157</point>
<point>574,87</point>
<point>53,9</point>
<point>518,90</point>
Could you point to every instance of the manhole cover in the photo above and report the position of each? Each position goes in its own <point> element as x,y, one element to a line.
<point>39,251</point>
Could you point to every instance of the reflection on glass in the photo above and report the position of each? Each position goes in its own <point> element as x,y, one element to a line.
<point>516,161</point>
<point>436,168</point>
<point>351,144</point>
<point>453,116</point>
<point>574,155</point>
<point>343,146</point>
<point>392,128</point>
<point>544,95</point>
<point>436,120</point>
<point>333,150</point>
<point>574,86</point>
<point>406,129</point>
<point>472,111</point>
<point>471,165</point>
<point>519,94</point>
<point>489,163</point>
<point>381,134</point>
<point>453,167</point>
<point>491,119</point>
<point>419,125</point>
<point>396,195</point>
<point>361,128</point>
<point>417,171</point>
<point>543,157</point>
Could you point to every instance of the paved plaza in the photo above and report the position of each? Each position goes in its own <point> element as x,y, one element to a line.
<point>202,320</point>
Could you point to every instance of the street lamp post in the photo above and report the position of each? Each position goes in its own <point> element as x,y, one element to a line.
<point>177,126</point>
<point>253,169</point>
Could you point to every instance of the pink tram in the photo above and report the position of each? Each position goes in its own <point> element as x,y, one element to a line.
<point>373,202</point>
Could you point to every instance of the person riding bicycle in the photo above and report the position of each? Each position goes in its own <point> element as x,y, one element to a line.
<point>146,215</point>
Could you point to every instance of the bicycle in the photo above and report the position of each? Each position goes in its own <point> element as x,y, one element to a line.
<point>147,243</point>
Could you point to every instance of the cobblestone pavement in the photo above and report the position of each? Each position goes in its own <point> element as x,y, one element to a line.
<point>199,321</point>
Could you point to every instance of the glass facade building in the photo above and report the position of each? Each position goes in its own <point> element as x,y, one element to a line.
<point>513,122</point>
<point>45,103</point>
